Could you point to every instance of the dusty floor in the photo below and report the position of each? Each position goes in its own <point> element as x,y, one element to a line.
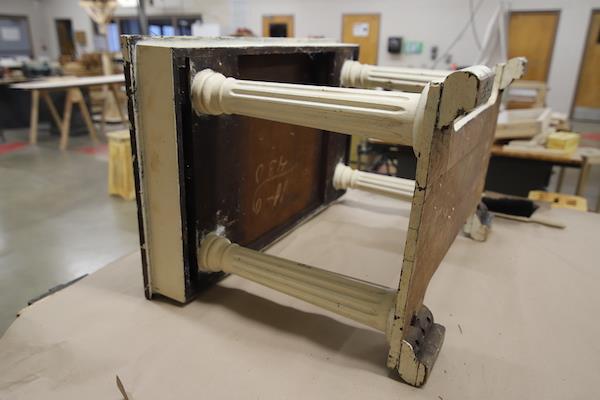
<point>57,221</point>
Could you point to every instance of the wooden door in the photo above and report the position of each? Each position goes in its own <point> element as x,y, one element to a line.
<point>278,25</point>
<point>587,97</point>
<point>531,34</point>
<point>362,29</point>
<point>64,32</point>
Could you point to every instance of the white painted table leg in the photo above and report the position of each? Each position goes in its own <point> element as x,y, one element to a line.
<point>388,116</point>
<point>355,74</point>
<point>463,91</point>
<point>346,177</point>
<point>360,301</point>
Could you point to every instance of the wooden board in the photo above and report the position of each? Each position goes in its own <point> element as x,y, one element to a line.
<point>450,178</point>
<point>532,35</point>
<point>522,123</point>
<point>542,154</point>
<point>251,179</point>
<point>69,82</point>
<point>527,94</point>
<point>261,173</point>
<point>560,200</point>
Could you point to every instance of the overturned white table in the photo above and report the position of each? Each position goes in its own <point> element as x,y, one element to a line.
<point>520,312</point>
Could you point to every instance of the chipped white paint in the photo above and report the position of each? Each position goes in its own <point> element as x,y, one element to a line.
<point>512,70</point>
<point>346,177</point>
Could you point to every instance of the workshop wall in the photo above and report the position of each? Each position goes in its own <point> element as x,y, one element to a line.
<point>68,9</point>
<point>435,23</point>
<point>432,22</point>
<point>38,22</point>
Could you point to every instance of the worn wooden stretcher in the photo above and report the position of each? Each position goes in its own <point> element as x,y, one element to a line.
<point>238,141</point>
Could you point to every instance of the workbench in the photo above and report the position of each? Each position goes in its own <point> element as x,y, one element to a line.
<point>9,106</point>
<point>520,312</point>
<point>72,86</point>
<point>514,171</point>
<point>517,171</point>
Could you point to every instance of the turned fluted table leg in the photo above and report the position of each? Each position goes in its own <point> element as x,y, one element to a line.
<point>360,301</point>
<point>346,177</point>
<point>389,116</point>
<point>464,90</point>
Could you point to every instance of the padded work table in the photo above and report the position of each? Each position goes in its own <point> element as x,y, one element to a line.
<point>72,85</point>
<point>520,312</point>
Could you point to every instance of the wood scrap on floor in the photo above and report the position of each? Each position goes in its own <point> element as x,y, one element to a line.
<point>560,200</point>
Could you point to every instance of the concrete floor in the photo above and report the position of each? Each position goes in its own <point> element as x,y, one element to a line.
<point>57,221</point>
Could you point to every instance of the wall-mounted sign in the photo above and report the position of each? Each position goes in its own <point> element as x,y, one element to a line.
<point>10,34</point>
<point>81,38</point>
<point>360,29</point>
<point>412,47</point>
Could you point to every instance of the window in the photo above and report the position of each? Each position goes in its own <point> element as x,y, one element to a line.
<point>184,25</point>
<point>157,26</point>
<point>130,26</point>
<point>112,35</point>
<point>160,27</point>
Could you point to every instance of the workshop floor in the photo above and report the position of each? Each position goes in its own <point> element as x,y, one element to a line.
<point>58,223</point>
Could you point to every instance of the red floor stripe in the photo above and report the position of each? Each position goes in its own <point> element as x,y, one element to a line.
<point>10,147</point>
<point>93,149</point>
<point>591,136</point>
